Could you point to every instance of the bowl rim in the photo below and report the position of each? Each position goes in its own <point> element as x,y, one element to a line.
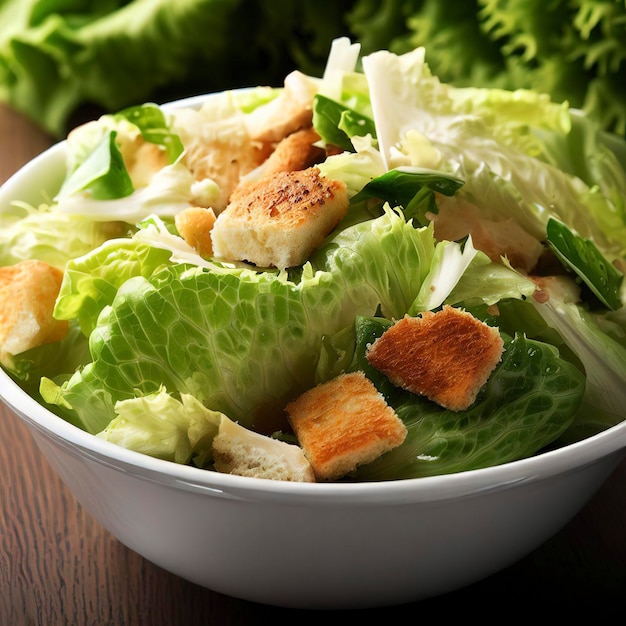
<point>441,487</point>
<point>430,488</point>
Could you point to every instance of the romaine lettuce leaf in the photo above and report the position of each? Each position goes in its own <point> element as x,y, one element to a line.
<point>102,174</point>
<point>44,234</point>
<point>336,124</point>
<point>583,257</point>
<point>243,342</point>
<point>56,57</point>
<point>162,426</point>
<point>90,282</point>
<point>528,402</point>
<point>494,141</point>
<point>600,345</point>
<point>168,192</point>
<point>154,127</point>
<point>96,151</point>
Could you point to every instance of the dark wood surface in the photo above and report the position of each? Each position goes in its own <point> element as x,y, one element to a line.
<point>59,566</point>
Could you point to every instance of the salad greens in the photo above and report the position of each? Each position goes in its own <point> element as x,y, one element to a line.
<point>61,60</point>
<point>441,441</point>
<point>57,57</point>
<point>473,198</point>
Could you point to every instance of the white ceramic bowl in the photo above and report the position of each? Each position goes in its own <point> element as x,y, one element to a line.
<point>316,546</point>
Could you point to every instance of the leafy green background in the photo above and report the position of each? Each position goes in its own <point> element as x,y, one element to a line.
<point>62,61</point>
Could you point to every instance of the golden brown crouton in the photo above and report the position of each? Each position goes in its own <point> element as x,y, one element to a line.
<point>144,162</point>
<point>457,217</point>
<point>28,292</point>
<point>237,450</point>
<point>194,226</point>
<point>295,152</point>
<point>446,356</point>
<point>280,220</point>
<point>218,150</point>
<point>344,423</point>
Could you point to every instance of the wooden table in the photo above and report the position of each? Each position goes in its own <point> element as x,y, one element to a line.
<point>59,566</point>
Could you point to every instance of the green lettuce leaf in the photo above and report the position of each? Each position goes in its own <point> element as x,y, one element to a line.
<point>154,127</point>
<point>167,193</point>
<point>599,343</point>
<point>248,344</point>
<point>165,427</point>
<point>336,124</point>
<point>493,140</point>
<point>251,339</point>
<point>41,233</point>
<point>528,402</point>
<point>583,257</point>
<point>56,58</point>
<point>572,51</point>
<point>102,174</point>
<point>90,282</point>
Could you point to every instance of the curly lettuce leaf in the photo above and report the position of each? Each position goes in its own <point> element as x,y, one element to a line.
<point>249,344</point>
<point>252,339</point>
<point>162,426</point>
<point>90,282</point>
<point>495,141</point>
<point>41,233</point>
<point>572,51</point>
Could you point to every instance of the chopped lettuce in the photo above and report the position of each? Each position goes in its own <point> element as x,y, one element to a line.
<point>251,339</point>
<point>503,161</point>
<point>599,343</point>
<point>527,403</point>
<point>505,204</point>
<point>159,425</point>
<point>50,236</point>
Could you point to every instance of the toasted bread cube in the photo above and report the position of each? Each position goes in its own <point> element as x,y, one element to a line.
<point>278,221</point>
<point>28,292</point>
<point>194,226</point>
<point>297,151</point>
<point>446,356</point>
<point>218,149</point>
<point>237,450</point>
<point>344,423</point>
<point>147,159</point>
